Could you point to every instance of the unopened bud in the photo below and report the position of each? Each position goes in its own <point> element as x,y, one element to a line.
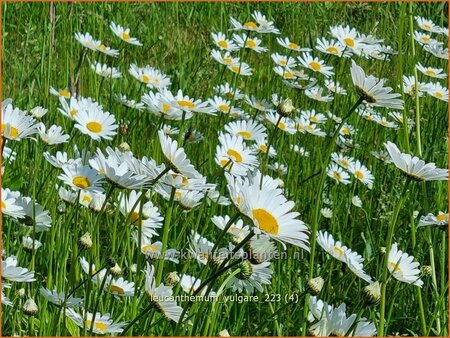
<point>20,293</point>
<point>116,270</point>
<point>133,268</point>
<point>30,308</point>
<point>285,108</point>
<point>315,285</point>
<point>86,240</point>
<point>123,147</point>
<point>382,250</point>
<point>123,128</point>
<point>427,270</point>
<point>224,333</point>
<point>373,293</point>
<point>172,278</point>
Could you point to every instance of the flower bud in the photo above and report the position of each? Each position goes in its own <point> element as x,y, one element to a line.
<point>315,285</point>
<point>20,293</point>
<point>123,147</point>
<point>224,333</point>
<point>86,241</point>
<point>373,293</point>
<point>30,308</point>
<point>427,270</point>
<point>116,270</point>
<point>172,278</point>
<point>285,108</point>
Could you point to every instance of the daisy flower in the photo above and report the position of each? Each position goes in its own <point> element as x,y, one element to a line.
<point>361,173</point>
<point>225,59</point>
<point>61,93</point>
<point>438,91</point>
<point>59,298</point>
<point>372,90</point>
<point>81,177</point>
<point>425,39</point>
<point>200,247</point>
<point>356,201</point>
<point>414,167</point>
<point>316,65</point>
<point>124,34</point>
<point>14,273</point>
<point>229,92</point>
<point>272,214</point>
<point>188,104</point>
<point>382,156</point>
<point>38,112</point>
<point>286,43</point>
<point>105,71</point>
<point>29,244</point>
<point>338,174</point>
<point>432,72</point>
<point>240,68</point>
<point>403,267</point>
<point>283,60</point>
<point>97,124</point>
<point>238,230</point>
<point>54,135</point>
<point>285,124</point>
<point>34,213</point>
<point>441,220</point>
<point>437,50</point>
<point>177,156</point>
<point>252,277</point>
<point>160,296</point>
<point>122,99</point>
<point>223,43</point>
<point>261,146</point>
<point>152,77</point>
<point>342,160</point>
<point>120,287</point>
<point>332,47</point>
<point>426,24</point>
<point>410,87</point>
<point>315,93</point>
<point>74,105</point>
<point>286,73</point>
<point>9,204</point>
<point>87,40</point>
<point>248,130</point>
<point>381,120</point>
<point>16,124</point>
<point>349,37</point>
<point>161,104</point>
<point>220,104</point>
<point>265,26</point>
<point>102,323</point>
<point>245,41</point>
<point>335,88</point>
<point>234,156</point>
<point>101,47</point>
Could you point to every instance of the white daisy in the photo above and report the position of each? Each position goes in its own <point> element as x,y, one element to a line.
<point>124,34</point>
<point>54,135</point>
<point>403,267</point>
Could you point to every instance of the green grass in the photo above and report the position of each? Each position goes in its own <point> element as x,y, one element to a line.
<point>39,51</point>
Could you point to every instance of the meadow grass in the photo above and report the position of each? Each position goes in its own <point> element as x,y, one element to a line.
<point>39,51</point>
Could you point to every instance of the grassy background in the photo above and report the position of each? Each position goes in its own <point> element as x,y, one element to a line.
<point>39,51</point>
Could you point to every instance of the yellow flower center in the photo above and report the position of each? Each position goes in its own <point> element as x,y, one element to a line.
<point>73,112</point>
<point>145,78</point>
<point>125,36</point>
<point>225,163</point>
<point>345,131</point>
<point>235,155</point>
<point>439,95</point>
<point>251,43</point>
<point>338,250</point>
<point>315,65</point>
<point>332,50</point>
<point>81,182</point>
<point>394,266</point>
<point>224,107</point>
<point>165,107</point>
<point>313,119</point>
<point>282,62</point>
<point>64,93</point>
<point>223,44</point>
<point>349,42</point>
<point>98,325</point>
<point>288,75</point>
<point>263,148</point>
<point>134,216</point>
<point>430,72</point>
<point>186,104</point>
<point>116,289</point>
<point>150,247</point>
<point>13,132</point>
<point>344,163</point>
<point>359,174</point>
<point>228,60</point>
<point>178,194</point>
<point>293,45</point>
<point>245,134</point>
<point>103,47</point>
<point>3,205</point>
<point>426,38</point>
<point>266,221</point>
<point>86,199</point>
<point>337,176</point>
<point>282,125</point>
<point>250,25</point>
<point>94,126</point>
<point>235,69</point>
<point>440,217</point>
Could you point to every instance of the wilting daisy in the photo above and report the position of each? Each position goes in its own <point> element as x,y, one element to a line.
<point>361,173</point>
<point>54,135</point>
<point>16,124</point>
<point>221,41</point>
<point>124,34</point>
<point>14,273</point>
<point>403,267</point>
<point>59,298</point>
<point>81,177</point>
<point>414,167</point>
<point>316,65</point>
<point>372,90</point>
<point>96,123</point>
<point>286,43</point>
<point>437,73</point>
<point>438,91</point>
<point>151,76</point>
<point>159,296</point>
<point>106,71</point>
<point>234,156</point>
<point>102,323</point>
